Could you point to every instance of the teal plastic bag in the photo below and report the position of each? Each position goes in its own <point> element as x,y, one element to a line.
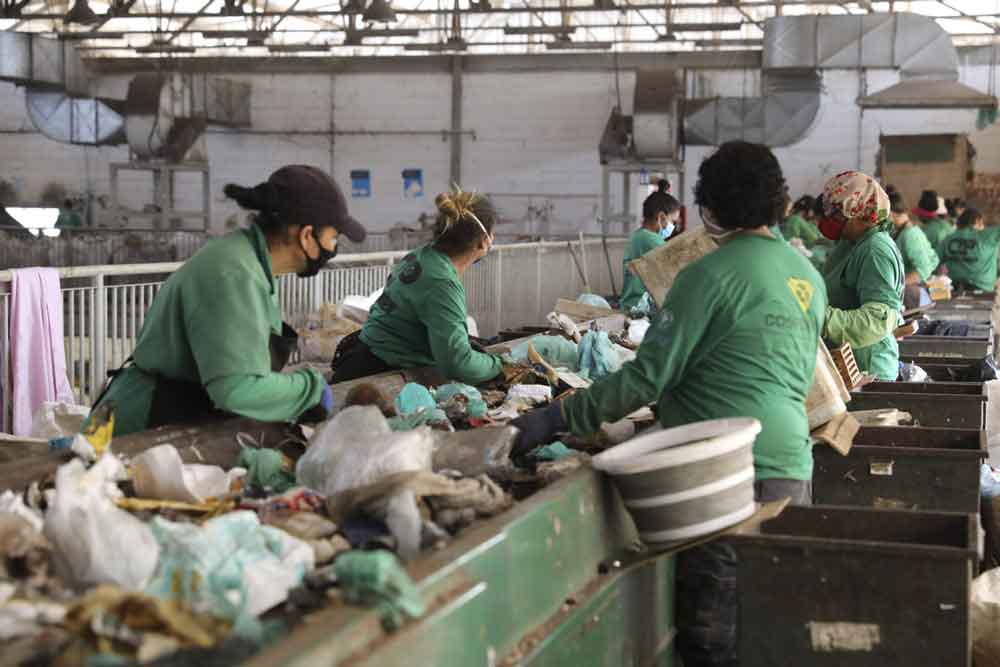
<point>422,418</point>
<point>593,300</point>
<point>552,452</point>
<point>476,405</point>
<point>265,470</point>
<point>556,350</point>
<point>413,398</point>
<point>598,357</point>
<point>376,577</point>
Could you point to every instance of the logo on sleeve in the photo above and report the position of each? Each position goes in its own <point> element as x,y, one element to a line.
<point>803,292</point>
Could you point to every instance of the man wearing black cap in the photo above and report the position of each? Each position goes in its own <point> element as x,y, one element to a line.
<point>213,342</point>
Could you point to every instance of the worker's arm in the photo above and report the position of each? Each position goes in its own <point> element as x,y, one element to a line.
<point>661,361</point>
<point>229,331</point>
<point>442,311</point>
<point>879,286</point>
<point>920,255</point>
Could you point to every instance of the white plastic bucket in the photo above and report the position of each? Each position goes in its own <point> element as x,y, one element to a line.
<point>686,482</point>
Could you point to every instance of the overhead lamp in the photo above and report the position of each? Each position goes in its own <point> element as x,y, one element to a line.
<point>355,37</point>
<point>451,44</point>
<point>379,11</point>
<point>232,8</point>
<point>88,34</point>
<point>253,37</point>
<point>298,48</point>
<point>353,7</point>
<point>605,5</point>
<point>480,6</point>
<point>158,46</point>
<point>569,45</point>
<point>81,14</point>
<point>540,30</point>
<point>725,26</point>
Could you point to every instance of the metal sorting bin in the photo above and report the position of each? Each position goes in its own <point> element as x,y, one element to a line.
<point>947,370</point>
<point>903,467</point>
<point>856,587</point>
<point>976,346</point>
<point>964,408</point>
<point>523,588</point>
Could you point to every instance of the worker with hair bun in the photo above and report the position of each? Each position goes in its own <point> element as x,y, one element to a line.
<point>420,319</point>
<point>660,212</point>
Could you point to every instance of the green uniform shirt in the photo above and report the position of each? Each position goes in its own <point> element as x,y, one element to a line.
<point>868,270</point>
<point>776,233</point>
<point>736,337</point>
<point>797,227</point>
<point>420,320</point>
<point>937,231</point>
<point>68,220</point>
<point>211,323</point>
<point>971,256</point>
<point>641,242</point>
<point>917,252</point>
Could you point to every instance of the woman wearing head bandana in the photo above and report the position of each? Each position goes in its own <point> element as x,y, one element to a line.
<point>864,274</point>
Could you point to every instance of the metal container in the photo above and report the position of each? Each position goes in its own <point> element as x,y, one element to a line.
<point>951,388</point>
<point>903,467</point>
<point>948,370</point>
<point>918,348</point>
<point>856,587</point>
<point>944,410</point>
<point>685,482</point>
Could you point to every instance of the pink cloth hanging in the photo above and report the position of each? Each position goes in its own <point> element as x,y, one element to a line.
<point>37,352</point>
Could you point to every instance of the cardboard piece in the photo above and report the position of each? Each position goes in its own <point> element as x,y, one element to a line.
<point>882,417</point>
<point>838,433</point>
<point>658,268</point>
<point>581,312</point>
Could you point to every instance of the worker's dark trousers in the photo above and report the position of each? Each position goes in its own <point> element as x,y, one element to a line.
<point>707,595</point>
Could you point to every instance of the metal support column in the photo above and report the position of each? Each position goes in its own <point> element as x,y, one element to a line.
<point>456,120</point>
<point>99,342</point>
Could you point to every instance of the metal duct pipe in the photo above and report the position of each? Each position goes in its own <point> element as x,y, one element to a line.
<point>38,62</point>
<point>70,120</point>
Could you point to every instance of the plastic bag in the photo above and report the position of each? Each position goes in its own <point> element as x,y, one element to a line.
<point>265,470</point>
<point>230,566</point>
<point>357,307</point>
<point>57,420</point>
<point>530,394</point>
<point>989,481</point>
<point>160,473</point>
<point>593,300</point>
<point>357,447</point>
<point>598,357</point>
<point>90,535</point>
<point>556,350</point>
<point>375,577</point>
<point>909,372</point>
<point>414,398</point>
<point>13,503</point>
<point>637,330</point>
<point>985,610</point>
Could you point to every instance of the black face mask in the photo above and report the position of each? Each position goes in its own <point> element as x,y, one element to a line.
<point>314,265</point>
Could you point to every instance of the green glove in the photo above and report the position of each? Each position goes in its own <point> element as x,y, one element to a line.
<point>368,577</point>
<point>861,327</point>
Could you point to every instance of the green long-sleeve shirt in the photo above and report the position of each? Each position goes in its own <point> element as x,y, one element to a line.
<point>736,337</point>
<point>869,270</point>
<point>641,242</point>
<point>938,231</point>
<point>797,227</point>
<point>917,252</point>
<point>420,320</point>
<point>211,323</point>
<point>971,256</point>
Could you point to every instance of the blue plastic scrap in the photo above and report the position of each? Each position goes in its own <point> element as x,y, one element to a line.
<point>597,356</point>
<point>414,398</point>
<point>557,351</point>
<point>552,452</point>
<point>593,300</point>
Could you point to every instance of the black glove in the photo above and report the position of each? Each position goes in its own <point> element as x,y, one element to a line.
<point>538,427</point>
<point>321,411</point>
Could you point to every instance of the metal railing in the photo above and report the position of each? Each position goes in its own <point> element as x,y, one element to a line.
<point>104,306</point>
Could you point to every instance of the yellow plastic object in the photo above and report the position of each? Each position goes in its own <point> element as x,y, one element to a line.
<point>100,427</point>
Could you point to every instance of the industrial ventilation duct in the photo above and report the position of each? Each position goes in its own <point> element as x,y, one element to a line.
<point>796,48</point>
<point>161,117</point>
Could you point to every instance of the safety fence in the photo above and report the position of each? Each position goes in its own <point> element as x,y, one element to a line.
<point>104,306</point>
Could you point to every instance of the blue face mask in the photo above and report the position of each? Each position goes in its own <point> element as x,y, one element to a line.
<point>667,231</point>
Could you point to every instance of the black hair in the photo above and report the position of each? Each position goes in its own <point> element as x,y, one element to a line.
<point>265,201</point>
<point>969,217</point>
<point>67,203</point>
<point>660,201</point>
<point>805,204</point>
<point>896,204</point>
<point>818,209</point>
<point>953,205</point>
<point>742,185</point>
<point>455,230</point>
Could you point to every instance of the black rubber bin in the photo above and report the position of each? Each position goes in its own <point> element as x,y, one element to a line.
<point>943,410</point>
<point>919,468</point>
<point>856,587</point>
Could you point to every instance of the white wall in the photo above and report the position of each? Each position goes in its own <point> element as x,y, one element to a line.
<point>535,142</point>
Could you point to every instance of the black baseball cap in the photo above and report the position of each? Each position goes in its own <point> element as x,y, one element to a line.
<point>309,196</point>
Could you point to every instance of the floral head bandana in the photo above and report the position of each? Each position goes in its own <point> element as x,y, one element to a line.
<point>856,196</point>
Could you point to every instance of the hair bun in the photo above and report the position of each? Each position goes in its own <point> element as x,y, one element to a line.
<point>663,186</point>
<point>263,197</point>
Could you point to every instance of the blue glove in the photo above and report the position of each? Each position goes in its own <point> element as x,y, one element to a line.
<point>326,400</point>
<point>538,427</point>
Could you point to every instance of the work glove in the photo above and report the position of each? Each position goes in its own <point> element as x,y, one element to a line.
<point>322,410</point>
<point>538,427</point>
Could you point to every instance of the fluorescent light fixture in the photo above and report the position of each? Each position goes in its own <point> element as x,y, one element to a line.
<point>539,30</point>
<point>706,27</point>
<point>453,44</point>
<point>298,48</point>
<point>355,37</point>
<point>249,35</point>
<point>567,45</point>
<point>88,34</point>
<point>163,47</point>
<point>708,43</point>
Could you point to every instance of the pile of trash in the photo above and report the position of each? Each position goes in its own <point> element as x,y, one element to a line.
<point>158,558</point>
